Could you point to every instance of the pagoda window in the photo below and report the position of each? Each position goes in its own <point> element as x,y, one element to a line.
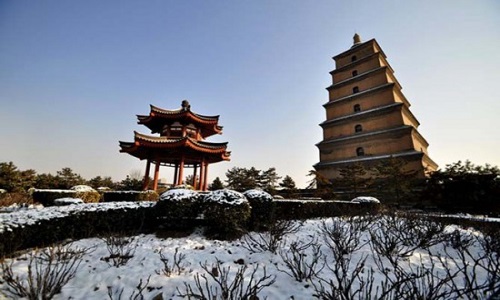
<point>191,130</point>
<point>354,58</point>
<point>355,90</point>
<point>176,129</point>
<point>357,108</point>
<point>354,73</point>
<point>358,128</point>
<point>360,151</point>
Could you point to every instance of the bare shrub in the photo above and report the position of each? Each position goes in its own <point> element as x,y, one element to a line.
<point>272,239</point>
<point>468,264</point>
<point>346,280</point>
<point>174,265</point>
<point>302,263</point>
<point>342,237</point>
<point>48,271</point>
<point>8,199</point>
<point>115,294</point>
<point>490,245</point>
<point>398,237</point>
<point>456,239</point>
<point>217,285</point>
<point>120,250</point>
<point>421,232</point>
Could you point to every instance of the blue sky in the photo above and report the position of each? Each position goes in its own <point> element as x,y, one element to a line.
<point>73,75</point>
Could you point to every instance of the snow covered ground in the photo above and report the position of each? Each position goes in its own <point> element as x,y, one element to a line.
<point>142,273</point>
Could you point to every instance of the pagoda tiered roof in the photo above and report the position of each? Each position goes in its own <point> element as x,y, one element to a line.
<point>170,150</point>
<point>159,117</point>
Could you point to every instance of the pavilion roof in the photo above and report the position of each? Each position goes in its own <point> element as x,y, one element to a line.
<point>170,150</point>
<point>158,117</point>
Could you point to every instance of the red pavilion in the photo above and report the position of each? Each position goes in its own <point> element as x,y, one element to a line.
<point>180,144</point>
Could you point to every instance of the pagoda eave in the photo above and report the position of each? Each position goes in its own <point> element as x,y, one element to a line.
<point>174,156</point>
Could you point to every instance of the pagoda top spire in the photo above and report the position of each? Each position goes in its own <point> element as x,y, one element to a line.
<point>356,39</point>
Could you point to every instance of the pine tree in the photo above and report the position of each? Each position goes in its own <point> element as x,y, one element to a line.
<point>216,184</point>
<point>67,179</point>
<point>269,180</point>
<point>392,179</point>
<point>14,180</point>
<point>288,183</point>
<point>353,179</point>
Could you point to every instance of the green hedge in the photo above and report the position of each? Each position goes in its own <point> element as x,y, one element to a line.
<point>178,207</point>
<point>226,213</point>
<point>263,209</point>
<point>79,225</point>
<point>47,197</point>
<point>130,196</point>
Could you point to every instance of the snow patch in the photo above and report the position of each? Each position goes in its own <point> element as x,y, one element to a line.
<point>365,199</point>
<point>258,194</point>
<point>82,188</point>
<point>67,201</point>
<point>226,196</point>
<point>179,195</point>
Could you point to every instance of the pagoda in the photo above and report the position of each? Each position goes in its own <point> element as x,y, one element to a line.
<point>368,119</point>
<point>180,144</point>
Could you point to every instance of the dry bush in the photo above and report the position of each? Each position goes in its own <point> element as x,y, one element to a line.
<point>88,196</point>
<point>455,265</point>
<point>8,199</point>
<point>218,286</point>
<point>397,237</point>
<point>48,271</point>
<point>342,237</point>
<point>116,294</point>
<point>120,249</point>
<point>272,239</point>
<point>173,265</point>
<point>303,260</point>
<point>148,195</point>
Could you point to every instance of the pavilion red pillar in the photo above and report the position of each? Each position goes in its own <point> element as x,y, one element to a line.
<point>181,171</point>
<point>202,170</point>
<point>194,176</point>
<point>157,173</point>
<point>176,172</point>
<point>205,181</point>
<point>145,182</point>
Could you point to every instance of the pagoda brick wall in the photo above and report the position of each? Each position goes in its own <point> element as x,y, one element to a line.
<point>345,107</point>
<point>378,122</point>
<point>361,67</point>
<point>412,165</point>
<point>373,145</point>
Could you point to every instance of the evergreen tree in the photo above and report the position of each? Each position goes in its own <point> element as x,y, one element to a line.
<point>288,183</point>
<point>99,181</point>
<point>269,180</point>
<point>216,184</point>
<point>288,186</point>
<point>189,179</point>
<point>242,179</point>
<point>46,181</point>
<point>131,184</point>
<point>353,179</point>
<point>14,180</point>
<point>463,186</point>
<point>67,179</point>
<point>323,185</point>
<point>392,179</point>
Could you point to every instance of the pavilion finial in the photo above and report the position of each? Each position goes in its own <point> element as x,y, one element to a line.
<point>185,105</point>
<point>357,39</point>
